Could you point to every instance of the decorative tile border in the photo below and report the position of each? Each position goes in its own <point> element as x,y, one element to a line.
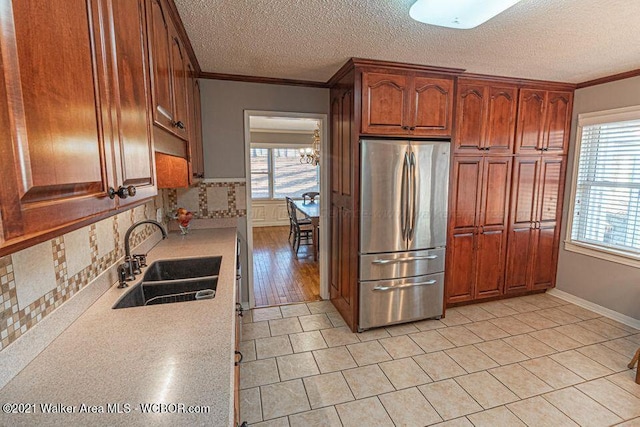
<point>204,211</point>
<point>15,321</point>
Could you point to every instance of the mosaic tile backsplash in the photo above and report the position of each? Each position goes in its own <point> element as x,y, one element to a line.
<point>37,280</point>
<point>210,199</point>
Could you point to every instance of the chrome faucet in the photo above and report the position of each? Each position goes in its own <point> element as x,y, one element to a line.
<point>127,271</point>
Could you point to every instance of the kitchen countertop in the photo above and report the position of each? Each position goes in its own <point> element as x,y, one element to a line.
<point>179,353</point>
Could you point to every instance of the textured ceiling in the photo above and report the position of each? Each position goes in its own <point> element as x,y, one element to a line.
<point>562,40</point>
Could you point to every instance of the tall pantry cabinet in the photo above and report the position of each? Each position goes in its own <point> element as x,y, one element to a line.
<point>507,180</point>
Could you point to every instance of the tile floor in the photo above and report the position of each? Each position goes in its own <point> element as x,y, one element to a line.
<point>529,361</point>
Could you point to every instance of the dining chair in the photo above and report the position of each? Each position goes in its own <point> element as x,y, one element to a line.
<point>310,195</point>
<point>302,229</point>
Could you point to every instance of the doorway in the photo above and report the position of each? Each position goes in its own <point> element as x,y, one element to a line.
<point>279,151</point>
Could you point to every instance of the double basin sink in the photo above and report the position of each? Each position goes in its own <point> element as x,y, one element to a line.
<point>176,280</point>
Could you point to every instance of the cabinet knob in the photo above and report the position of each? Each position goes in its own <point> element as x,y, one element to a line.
<point>240,360</point>
<point>412,128</point>
<point>405,127</point>
<point>179,124</point>
<point>122,192</point>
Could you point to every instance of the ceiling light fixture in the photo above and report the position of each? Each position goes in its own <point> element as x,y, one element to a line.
<point>460,14</point>
<point>312,155</point>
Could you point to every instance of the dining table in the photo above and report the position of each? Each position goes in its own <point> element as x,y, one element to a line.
<point>311,210</point>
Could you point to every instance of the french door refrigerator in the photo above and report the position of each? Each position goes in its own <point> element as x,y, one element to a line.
<point>403,228</point>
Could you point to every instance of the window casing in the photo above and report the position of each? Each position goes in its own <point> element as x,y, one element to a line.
<point>604,219</point>
<point>276,172</point>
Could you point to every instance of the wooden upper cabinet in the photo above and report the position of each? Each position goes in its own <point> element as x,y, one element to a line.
<point>486,116</point>
<point>181,107</point>
<point>544,120</point>
<point>56,165</point>
<point>195,138</point>
<point>406,104</point>
<point>159,30</point>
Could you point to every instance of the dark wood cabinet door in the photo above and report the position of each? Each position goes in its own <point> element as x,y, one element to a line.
<point>125,22</point>
<point>465,192</point>
<point>531,120</point>
<point>195,134</point>
<point>558,122</point>
<point>384,103</point>
<point>520,245</point>
<point>543,271</point>
<point>347,161</point>
<point>159,24</point>
<point>431,106</point>
<point>461,265</point>
<point>55,162</point>
<point>501,119</point>
<point>180,82</point>
<point>491,256</point>
<point>471,119</point>
<point>496,183</point>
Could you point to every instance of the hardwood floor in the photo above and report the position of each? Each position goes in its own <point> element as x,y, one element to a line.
<point>278,277</point>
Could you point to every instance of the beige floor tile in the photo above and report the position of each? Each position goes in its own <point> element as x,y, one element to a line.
<point>544,301</point>
<point>334,359</point>
<point>555,339</point>
<point>497,309</point>
<point>431,341</point>
<point>251,331</point>
<point>520,381</point>
<point>460,336</point>
<point>367,381</point>
<point>454,318</point>
<point>581,408</point>
<point>336,319</point>
<point>247,317</point>
<point>257,373</point>
<point>250,405</point>
<point>499,416</point>
<point>439,366</point>
<point>294,310</point>
<point>551,372</point>
<point>369,352</point>
<point>290,325</point>
<point>475,313</point>
<point>635,338</point>
<point>284,398</point>
<point>314,322</point>
<point>449,399</point>
<point>511,325</point>
<point>318,307</point>
<point>403,329</point>
<point>339,336</point>
<point>307,341</point>
<point>458,422</point>
<point>297,366</point>
<point>404,373</point>
<point>529,345</point>
<point>486,390</point>
<point>612,397</point>
<point>366,412</point>
<point>273,346</point>
<point>536,321</point>
<point>559,316</point>
<point>631,423</point>
<point>325,417</point>
<point>603,328</point>
<point>429,325</point>
<point>248,350</point>
<point>409,408</point>
<point>617,324</point>
<point>501,352</point>
<point>269,313</point>
<point>626,381</point>
<point>401,347</point>
<point>623,346</point>
<point>278,422</point>
<point>537,412</point>
<point>327,389</point>
<point>580,312</point>
<point>520,305</point>
<point>580,334</point>
<point>373,334</point>
<point>606,357</point>
<point>581,365</point>
<point>486,330</point>
<point>471,359</point>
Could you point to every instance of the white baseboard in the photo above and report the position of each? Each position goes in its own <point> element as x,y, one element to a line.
<point>619,317</point>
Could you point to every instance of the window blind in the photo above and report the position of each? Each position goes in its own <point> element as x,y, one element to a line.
<point>607,198</point>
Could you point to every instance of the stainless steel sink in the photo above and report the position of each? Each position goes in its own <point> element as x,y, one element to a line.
<point>176,280</point>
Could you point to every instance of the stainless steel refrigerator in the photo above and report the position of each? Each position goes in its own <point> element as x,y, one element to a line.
<point>403,230</point>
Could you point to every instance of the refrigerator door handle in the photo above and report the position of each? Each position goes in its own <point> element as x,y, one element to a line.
<point>404,196</point>
<point>410,259</point>
<point>408,285</point>
<point>413,195</point>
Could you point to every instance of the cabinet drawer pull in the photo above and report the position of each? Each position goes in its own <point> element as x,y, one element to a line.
<point>397,260</point>
<point>164,112</point>
<point>412,128</point>
<point>240,360</point>
<point>179,124</point>
<point>409,285</point>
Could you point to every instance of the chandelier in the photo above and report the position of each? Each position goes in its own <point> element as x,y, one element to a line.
<point>311,155</point>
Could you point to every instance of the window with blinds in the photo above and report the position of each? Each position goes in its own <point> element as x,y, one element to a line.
<point>606,204</point>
